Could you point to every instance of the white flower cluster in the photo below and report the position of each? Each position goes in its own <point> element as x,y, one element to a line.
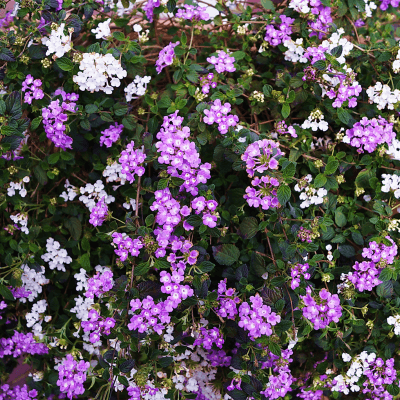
<point>382,96</point>
<point>394,225</point>
<point>330,255</point>
<point>71,192</point>
<point>91,194</point>
<point>137,88</point>
<point>396,63</point>
<point>310,195</point>
<point>258,96</point>
<point>396,322</point>
<point>21,220</point>
<point>348,382</point>
<point>58,42</point>
<point>32,282</point>
<point>301,6</point>
<point>55,256</point>
<point>295,51</point>
<point>81,309</point>
<point>394,150</point>
<point>113,173</point>
<point>130,203</point>
<point>391,183</point>
<point>103,30</point>
<point>346,284</point>
<point>99,72</point>
<point>121,9</point>
<point>336,40</point>
<point>369,6</point>
<point>18,187</point>
<point>315,121</point>
<point>34,319</point>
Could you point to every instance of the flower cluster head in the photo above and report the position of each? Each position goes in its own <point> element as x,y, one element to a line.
<point>18,187</point>
<point>295,50</point>
<point>137,88</point>
<point>263,192</point>
<point>308,194</point>
<point>208,337</point>
<point>391,183</point>
<point>20,222</point>
<point>257,318</point>
<point>283,129</point>
<point>96,326</point>
<point>223,62</point>
<point>180,154</point>
<point>103,29</point>
<point>71,376</point>
<point>99,72</point>
<point>261,156</point>
<point>17,392</point>
<point>396,63</point>
<point>207,82</point>
<point>32,282</point>
<point>35,317</point>
<point>219,113</point>
<point>132,161</point>
<point>278,33</point>
<point>322,310</point>
<point>228,301</point>
<point>58,42</point>
<point>383,96</point>
<point>100,283</point>
<point>32,89</point>
<point>281,379</point>
<point>315,121</point>
<point>55,115</point>
<point>55,256</point>
<point>111,134</point>
<point>208,207</point>
<point>367,134</point>
<point>21,344</point>
<point>166,56</point>
<point>126,246</point>
<point>149,7</point>
<point>193,13</point>
<point>298,271</point>
<point>15,154</point>
<point>395,321</point>
<point>366,274</point>
<point>98,213</point>
<point>91,194</point>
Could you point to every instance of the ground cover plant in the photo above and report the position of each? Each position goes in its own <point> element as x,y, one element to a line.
<point>200,201</point>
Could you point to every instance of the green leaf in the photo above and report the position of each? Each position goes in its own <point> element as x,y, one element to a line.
<point>289,170</point>
<point>267,90</point>
<point>74,226</point>
<point>238,55</point>
<point>385,289</point>
<point>284,192</point>
<point>386,275</point>
<point>84,261</point>
<point>340,218</point>
<point>274,348</point>
<point>249,227</point>
<point>171,5</point>
<point>343,115</point>
<point>183,38</point>
<point>206,266</point>
<point>65,64</point>
<point>53,158</point>
<point>226,254</point>
<point>40,175</point>
<point>141,269</point>
<point>35,123</point>
<point>268,5</point>
<point>127,366</point>
<point>285,110</point>
<point>320,180</point>
<point>91,108</point>
<point>119,36</point>
<point>331,167</point>
<point>278,281</point>
<point>123,380</point>
<point>6,293</point>
<point>149,220</point>
<point>6,55</point>
<point>320,65</point>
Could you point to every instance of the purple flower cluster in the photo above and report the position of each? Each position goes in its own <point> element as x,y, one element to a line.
<point>180,154</point>
<point>323,310</point>
<point>149,7</point>
<point>19,344</point>
<point>8,18</point>
<point>219,113</point>
<point>284,129</point>
<point>99,213</point>
<point>304,234</point>
<point>111,135</point>
<point>17,392</point>
<point>193,13</point>
<point>228,301</point>
<point>219,358</point>
<point>258,318</point>
<point>280,381</point>
<point>298,271</point>
<point>99,284</point>
<point>314,54</point>
<point>379,373</point>
<point>366,274</point>
<point>207,82</point>
<point>126,245</point>
<point>97,326</point>
<point>263,192</point>
<point>171,286</point>
<point>166,55</point>
<point>276,35</point>
<point>261,156</point>
<point>322,20</point>
<point>54,117</point>
<point>208,337</point>
<point>131,161</point>
<point>71,376</point>
<point>224,62</point>
<point>386,3</point>
<point>199,204</point>
<point>32,89</point>
<point>367,134</point>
